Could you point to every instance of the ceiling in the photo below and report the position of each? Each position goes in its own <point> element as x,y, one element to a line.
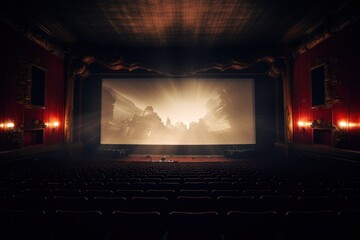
<point>172,23</point>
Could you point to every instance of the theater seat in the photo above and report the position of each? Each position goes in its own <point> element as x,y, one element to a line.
<point>78,225</point>
<point>23,224</point>
<point>136,225</point>
<point>109,204</point>
<point>348,225</point>
<point>194,225</point>
<point>310,225</point>
<point>186,203</point>
<point>251,225</point>
<point>144,204</point>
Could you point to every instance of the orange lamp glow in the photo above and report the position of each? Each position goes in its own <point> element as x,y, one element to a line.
<point>343,124</point>
<point>301,124</point>
<point>10,125</point>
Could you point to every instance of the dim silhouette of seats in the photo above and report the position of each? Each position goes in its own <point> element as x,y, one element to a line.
<point>117,185</point>
<point>352,202</point>
<point>95,185</point>
<point>344,191</point>
<point>149,204</point>
<point>38,191</point>
<point>242,203</point>
<point>251,225</point>
<point>98,193</point>
<point>143,185</point>
<point>311,184</point>
<point>76,185</point>
<point>221,192</point>
<point>26,202</point>
<point>220,185</point>
<point>54,185</point>
<point>30,184</point>
<point>194,193</point>
<point>109,204</point>
<point>315,192</point>
<point>68,203</point>
<point>193,179</point>
<point>136,225</point>
<point>169,194</point>
<point>132,179</point>
<point>68,192</point>
<point>256,192</point>
<point>77,225</point>
<point>201,204</point>
<point>244,185</point>
<point>6,192</point>
<point>211,179</point>
<point>288,192</point>
<point>277,203</point>
<point>168,186</point>
<point>348,224</point>
<point>23,224</point>
<point>129,193</point>
<point>151,179</point>
<point>227,179</point>
<point>195,185</point>
<point>266,185</point>
<point>313,203</point>
<point>194,225</point>
<point>172,179</point>
<point>312,225</point>
<point>289,185</point>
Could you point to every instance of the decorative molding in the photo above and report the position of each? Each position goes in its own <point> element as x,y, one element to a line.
<point>80,66</point>
<point>321,124</point>
<point>339,136</point>
<point>35,124</point>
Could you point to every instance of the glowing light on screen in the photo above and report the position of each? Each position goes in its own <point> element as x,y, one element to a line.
<point>178,111</point>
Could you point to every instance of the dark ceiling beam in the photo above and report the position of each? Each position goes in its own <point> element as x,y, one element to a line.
<point>41,38</point>
<point>346,15</point>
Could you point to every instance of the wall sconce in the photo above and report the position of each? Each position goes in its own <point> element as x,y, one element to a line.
<point>7,126</point>
<point>53,126</point>
<point>303,125</point>
<point>343,124</point>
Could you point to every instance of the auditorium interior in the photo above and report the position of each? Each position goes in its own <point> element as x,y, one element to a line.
<point>180,119</point>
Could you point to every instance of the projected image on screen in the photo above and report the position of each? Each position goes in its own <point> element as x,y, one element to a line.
<point>178,111</point>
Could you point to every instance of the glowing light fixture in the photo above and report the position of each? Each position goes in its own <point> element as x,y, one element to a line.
<point>54,126</point>
<point>304,124</point>
<point>343,124</point>
<point>10,125</point>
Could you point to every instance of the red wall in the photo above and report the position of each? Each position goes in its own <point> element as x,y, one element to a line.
<point>13,46</point>
<point>345,46</point>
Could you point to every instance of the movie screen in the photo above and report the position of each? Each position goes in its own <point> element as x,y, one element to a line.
<point>167,111</point>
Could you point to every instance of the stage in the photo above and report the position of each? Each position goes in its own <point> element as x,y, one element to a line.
<point>176,158</point>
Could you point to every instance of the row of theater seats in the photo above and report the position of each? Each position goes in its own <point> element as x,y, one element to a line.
<point>234,200</point>
<point>172,192</point>
<point>176,225</point>
<point>181,203</point>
